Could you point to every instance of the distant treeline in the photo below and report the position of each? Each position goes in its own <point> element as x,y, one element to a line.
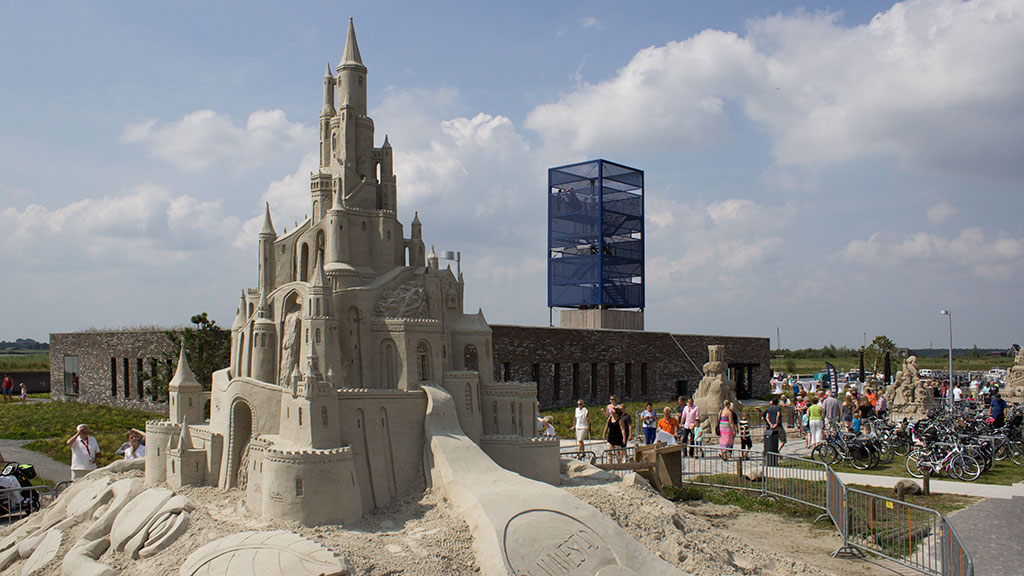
<point>831,351</point>
<point>24,344</point>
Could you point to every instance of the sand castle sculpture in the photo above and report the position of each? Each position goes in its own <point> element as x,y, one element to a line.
<point>355,377</point>
<point>714,388</point>
<point>1015,379</point>
<point>907,395</point>
<point>319,418</point>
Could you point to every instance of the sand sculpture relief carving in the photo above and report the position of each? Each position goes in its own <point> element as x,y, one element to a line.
<point>552,542</point>
<point>276,553</point>
<point>406,301</point>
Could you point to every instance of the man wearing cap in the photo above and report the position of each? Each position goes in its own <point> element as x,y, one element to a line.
<point>84,451</point>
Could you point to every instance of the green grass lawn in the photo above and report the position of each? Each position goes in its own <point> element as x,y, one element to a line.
<point>1003,473</point>
<point>25,362</point>
<point>51,423</point>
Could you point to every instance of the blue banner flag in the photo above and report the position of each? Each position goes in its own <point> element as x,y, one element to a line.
<point>833,379</point>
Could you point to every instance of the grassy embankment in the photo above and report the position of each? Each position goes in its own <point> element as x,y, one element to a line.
<point>51,423</point>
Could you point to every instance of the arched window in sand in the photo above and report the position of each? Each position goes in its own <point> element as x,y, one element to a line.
<point>471,358</point>
<point>423,360</point>
<point>388,365</point>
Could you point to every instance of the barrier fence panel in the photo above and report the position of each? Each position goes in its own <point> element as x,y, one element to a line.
<point>16,503</point>
<point>588,456</point>
<point>899,531</point>
<point>835,502</point>
<point>914,536</point>
<point>725,468</point>
<point>955,559</point>
<point>797,479</point>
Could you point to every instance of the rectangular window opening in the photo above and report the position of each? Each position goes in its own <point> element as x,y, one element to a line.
<point>113,376</point>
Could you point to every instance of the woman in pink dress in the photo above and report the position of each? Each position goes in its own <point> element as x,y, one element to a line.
<point>726,430</point>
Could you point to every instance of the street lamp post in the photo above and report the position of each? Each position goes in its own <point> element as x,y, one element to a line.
<point>949,389</point>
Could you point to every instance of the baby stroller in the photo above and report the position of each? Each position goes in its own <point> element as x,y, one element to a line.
<point>21,503</point>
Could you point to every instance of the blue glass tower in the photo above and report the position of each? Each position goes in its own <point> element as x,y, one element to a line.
<point>595,236</point>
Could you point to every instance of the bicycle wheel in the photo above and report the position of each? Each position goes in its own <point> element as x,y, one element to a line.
<point>1002,451</point>
<point>914,464</point>
<point>827,453</point>
<point>886,454</point>
<point>901,446</point>
<point>1017,453</point>
<point>965,468</point>
<point>860,457</point>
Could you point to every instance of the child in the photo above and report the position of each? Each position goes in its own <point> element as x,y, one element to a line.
<point>698,441</point>
<point>745,441</point>
<point>24,394</point>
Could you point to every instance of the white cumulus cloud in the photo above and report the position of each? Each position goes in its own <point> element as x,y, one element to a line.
<point>203,139</point>
<point>932,83</point>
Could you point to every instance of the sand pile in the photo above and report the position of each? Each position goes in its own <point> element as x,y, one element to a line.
<point>690,541</point>
<point>418,536</point>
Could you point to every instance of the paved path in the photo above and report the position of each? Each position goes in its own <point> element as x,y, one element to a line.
<point>45,467</point>
<point>990,530</point>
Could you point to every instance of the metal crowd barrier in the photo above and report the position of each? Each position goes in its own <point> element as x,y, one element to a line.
<point>588,456</point>
<point>916,537</point>
<point>17,503</point>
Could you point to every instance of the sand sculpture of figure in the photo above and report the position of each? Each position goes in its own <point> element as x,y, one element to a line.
<point>1015,379</point>
<point>290,346</point>
<point>715,387</point>
<point>908,396</point>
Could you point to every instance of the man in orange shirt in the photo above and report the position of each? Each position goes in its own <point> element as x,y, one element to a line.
<point>872,397</point>
<point>669,424</point>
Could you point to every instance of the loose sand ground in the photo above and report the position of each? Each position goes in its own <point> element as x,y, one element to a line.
<point>419,536</point>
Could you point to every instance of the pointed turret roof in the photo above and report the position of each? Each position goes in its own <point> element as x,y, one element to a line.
<point>327,73</point>
<point>386,143</point>
<point>262,309</point>
<point>313,363</point>
<point>184,378</point>
<point>185,437</point>
<point>268,225</point>
<point>351,53</point>
<point>319,277</point>
<point>416,219</point>
<point>241,316</point>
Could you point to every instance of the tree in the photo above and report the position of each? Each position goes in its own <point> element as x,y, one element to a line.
<point>207,347</point>
<point>874,355</point>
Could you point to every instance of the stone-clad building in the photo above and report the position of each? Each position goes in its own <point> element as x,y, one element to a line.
<point>104,367</point>
<point>572,363</point>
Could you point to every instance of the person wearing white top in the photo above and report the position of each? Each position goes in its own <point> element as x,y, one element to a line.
<point>135,449</point>
<point>84,451</point>
<point>582,424</point>
<point>957,393</point>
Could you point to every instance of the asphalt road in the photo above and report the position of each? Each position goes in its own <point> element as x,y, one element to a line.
<point>45,467</point>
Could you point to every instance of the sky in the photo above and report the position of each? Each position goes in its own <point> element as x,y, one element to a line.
<point>825,171</point>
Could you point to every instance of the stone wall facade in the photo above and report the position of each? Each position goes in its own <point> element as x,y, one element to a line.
<point>108,366</point>
<point>568,363</point>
